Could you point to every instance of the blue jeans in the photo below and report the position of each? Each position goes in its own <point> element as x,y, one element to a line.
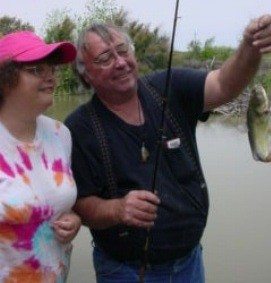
<point>189,269</point>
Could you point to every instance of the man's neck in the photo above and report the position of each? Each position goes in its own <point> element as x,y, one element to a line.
<point>126,107</point>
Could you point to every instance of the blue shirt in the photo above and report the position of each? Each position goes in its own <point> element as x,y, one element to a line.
<point>184,202</point>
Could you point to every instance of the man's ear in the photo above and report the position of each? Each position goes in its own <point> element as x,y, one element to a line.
<point>86,77</point>
<point>85,80</point>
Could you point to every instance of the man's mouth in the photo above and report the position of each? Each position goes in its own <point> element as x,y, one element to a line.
<point>49,89</point>
<point>122,76</point>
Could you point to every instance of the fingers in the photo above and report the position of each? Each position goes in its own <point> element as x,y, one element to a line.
<point>258,33</point>
<point>147,196</point>
<point>69,220</point>
<point>64,236</point>
<point>65,231</point>
<point>259,24</point>
<point>263,33</point>
<point>139,208</point>
<point>266,49</point>
<point>66,227</point>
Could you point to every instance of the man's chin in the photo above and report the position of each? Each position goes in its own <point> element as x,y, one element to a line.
<point>128,85</point>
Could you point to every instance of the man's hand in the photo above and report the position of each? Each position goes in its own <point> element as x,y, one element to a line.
<point>66,227</point>
<point>258,33</point>
<point>226,83</point>
<point>138,208</point>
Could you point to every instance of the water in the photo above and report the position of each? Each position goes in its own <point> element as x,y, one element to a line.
<point>236,241</point>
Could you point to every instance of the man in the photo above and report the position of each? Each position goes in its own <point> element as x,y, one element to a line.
<point>115,139</point>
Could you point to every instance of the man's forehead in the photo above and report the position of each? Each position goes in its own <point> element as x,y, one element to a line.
<point>116,33</point>
<point>112,37</point>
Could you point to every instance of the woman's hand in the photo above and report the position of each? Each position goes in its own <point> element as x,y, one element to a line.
<point>66,227</point>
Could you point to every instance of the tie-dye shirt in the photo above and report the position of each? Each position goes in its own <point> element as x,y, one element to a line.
<point>36,187</point>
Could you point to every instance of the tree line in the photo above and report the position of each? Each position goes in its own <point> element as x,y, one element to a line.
<point>151,46</point>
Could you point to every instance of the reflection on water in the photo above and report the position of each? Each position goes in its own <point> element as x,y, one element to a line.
<point>236,242</point>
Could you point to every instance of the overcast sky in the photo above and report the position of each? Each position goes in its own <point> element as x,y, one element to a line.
<point>201,19</point>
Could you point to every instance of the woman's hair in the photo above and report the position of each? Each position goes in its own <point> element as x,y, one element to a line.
<point>10,70</point>
<point>9,76</point>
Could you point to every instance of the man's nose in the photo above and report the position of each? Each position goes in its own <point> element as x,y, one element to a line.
<point>119,61</point>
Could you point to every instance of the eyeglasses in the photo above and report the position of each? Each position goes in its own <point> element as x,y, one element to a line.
<point>106,59</point>
<point>41,70</point>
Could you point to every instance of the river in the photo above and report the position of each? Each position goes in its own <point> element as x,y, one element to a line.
<point>236,242</point>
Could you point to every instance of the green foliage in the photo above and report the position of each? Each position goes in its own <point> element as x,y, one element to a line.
<point>95,11</point>
<point>178,58</point>
<point>100,10</point>
<point>207,51</point>
<point>194,49</point>
<point>264,73</point>
<point>11,24</point>
<point>265,80</point>
<point>67,80</point>
<point>60,27</point>
<point>151,48</point>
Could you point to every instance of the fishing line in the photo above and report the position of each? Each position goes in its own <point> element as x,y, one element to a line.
<point>161,139</point>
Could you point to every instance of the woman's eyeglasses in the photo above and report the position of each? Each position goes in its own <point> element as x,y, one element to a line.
<point>40,70</point>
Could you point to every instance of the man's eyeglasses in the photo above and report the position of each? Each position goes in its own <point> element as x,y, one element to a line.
<point>106,59</point>
<point>41,70</point>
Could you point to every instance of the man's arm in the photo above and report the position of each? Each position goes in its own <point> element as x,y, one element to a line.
<point>226,83</point>
<point>138,208</point>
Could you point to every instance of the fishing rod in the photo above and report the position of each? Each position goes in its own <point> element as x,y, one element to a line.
<point>162,137</point>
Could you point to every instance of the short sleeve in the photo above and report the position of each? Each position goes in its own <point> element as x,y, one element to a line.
<point>65,136</point>
<point>188,85</point>
<point>186,92</point>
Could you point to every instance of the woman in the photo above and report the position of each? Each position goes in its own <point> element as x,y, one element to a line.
<point>37,190</point>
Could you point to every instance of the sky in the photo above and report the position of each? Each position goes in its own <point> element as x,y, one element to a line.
<point>224,20</point>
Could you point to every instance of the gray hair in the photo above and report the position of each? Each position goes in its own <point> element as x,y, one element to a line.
<point>103,30</point>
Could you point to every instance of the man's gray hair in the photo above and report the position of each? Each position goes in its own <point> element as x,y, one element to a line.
<point>103,30</point>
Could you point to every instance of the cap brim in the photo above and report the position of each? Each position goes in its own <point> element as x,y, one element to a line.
<point>66,51</point>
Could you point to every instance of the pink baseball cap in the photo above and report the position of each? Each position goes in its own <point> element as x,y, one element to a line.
<point>26,46</point>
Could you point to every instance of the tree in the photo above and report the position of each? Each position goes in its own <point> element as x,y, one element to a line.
<point>10,24</point>
<point>194,49</point>
<point>151,48</point>
<point>60,27</point>
<point>96,11</point>
<point>207,51</point>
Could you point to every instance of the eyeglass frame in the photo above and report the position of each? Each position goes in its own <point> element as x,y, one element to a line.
<point>39,70</point>
<point>113,54</point>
